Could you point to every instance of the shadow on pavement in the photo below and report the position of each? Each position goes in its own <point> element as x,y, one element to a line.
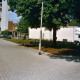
<point>67,58</point>
<point>68,55</point>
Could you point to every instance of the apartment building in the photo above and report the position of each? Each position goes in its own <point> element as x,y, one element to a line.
<point>3,15</point>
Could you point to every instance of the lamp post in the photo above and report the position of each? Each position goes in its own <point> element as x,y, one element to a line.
<point>41,27</point>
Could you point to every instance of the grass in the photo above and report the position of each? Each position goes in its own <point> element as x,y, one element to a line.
<point>24,42</point>
<point>68,49</point>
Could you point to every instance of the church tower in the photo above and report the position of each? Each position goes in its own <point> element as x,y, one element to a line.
<point>4,15</point>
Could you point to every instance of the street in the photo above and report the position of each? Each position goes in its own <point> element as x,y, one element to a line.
<point>21,63</point>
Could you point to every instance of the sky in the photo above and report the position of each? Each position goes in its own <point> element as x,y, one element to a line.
<point>13,17</point>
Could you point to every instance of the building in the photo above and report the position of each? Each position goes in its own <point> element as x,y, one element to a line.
<point>70,34</point>
<point>3,15</point>
<point>12,27</point>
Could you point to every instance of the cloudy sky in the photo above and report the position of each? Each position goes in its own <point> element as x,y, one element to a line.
<point>13,17</point>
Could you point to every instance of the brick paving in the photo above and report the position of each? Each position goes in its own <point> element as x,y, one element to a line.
<point>22,63</point>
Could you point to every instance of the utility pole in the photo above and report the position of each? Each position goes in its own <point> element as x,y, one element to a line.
<point>41,27</point>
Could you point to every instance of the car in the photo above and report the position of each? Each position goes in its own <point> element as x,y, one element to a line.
<point>1,36</point>
<point>6,36</point>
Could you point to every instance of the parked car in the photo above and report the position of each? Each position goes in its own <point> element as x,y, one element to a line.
<point>1,36</point>
<point>6,36</point>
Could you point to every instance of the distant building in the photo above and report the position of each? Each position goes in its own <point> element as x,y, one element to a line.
<point>15,26</point>
<point>3,15</point>
<point>12,27</point>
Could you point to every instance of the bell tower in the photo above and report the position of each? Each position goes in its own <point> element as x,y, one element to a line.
<point>4,16</point>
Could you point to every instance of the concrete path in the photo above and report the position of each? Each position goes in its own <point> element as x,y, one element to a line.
<point>22,63</point>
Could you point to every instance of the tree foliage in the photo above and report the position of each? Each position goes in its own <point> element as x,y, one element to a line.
<point>73,22</point>
<point>23,26</point>
<point>57,13</point>
<point>74,9</point>
<point>6,32</point>
<point>29,9</point>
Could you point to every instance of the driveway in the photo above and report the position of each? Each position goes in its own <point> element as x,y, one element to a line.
<point>22,63</point>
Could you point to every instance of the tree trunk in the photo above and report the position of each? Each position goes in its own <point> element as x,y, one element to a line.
<point>54,36</point>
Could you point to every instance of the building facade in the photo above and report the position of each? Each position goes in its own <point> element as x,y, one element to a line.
<point>3,15</point>
<point>12,26</point>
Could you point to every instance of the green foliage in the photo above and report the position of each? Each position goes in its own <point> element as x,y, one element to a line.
<point>24,42</point>
<point>57,13</point>
<point>59,44</point>
<point>29,9</point>
<point>74,23</point>
<point>24,37</point>
<point>23,26</point>
<point>74,9</point>
<point>6,32</point>
<point>45,43</point>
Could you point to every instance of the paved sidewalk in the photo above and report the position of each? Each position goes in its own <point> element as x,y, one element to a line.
<point>22,63</point>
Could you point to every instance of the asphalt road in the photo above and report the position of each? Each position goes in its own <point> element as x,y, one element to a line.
<point>22,63</point>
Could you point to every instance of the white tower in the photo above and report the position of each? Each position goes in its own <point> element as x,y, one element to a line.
<point>4,16</point>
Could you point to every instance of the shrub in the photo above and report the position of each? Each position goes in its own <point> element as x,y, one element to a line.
<point>6,32</point>
<point>25,42</point>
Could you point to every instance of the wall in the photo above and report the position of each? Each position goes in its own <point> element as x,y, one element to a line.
<point>66,33</point>
<point>62,33</point>
<point>34,33</point>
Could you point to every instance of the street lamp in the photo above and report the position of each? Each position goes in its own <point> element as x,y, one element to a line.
<point>41,27</point>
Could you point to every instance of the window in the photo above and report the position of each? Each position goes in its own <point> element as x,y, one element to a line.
<point>78,36</point>
<point>0,0</point>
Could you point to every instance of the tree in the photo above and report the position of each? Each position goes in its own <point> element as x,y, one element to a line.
<point>73,22</point>
<point>57,13</point>
<point>23,26</point>
<point>29,9</point>
<point>6,32</point>
<point>74,9</point>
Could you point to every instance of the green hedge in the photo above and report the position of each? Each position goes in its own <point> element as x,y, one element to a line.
<point>45,43</point>
<point>24,42</point>
<point>6,32</point>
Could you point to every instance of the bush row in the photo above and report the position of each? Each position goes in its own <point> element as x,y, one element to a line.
<point>45,43</point>
<point>25,42</point>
